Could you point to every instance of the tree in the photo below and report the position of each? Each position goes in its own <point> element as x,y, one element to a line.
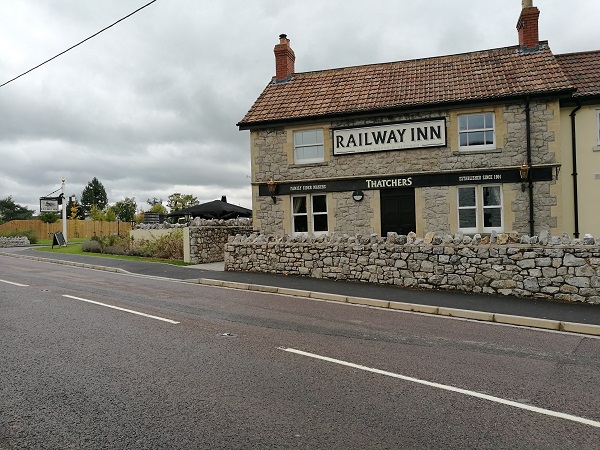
<point>125,209</point>
<point>74,209</point>
<point>96,213</point>
<point>9,210</point>
<point>179,201</point>
<point>158,208</point>
<point>93,195</point>
<point>49,217</point>
<point>153,201</point>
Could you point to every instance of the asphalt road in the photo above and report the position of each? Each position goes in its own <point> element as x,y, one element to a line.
<point>214,368</point>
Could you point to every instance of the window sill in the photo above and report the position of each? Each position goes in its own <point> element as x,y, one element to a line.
<point>311,164</point>
<point>476,152</point>
<point>596,148</point>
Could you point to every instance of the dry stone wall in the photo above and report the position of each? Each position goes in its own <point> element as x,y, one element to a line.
<point>20,241</point>
<point>547,267</point>
<point>207,238</point>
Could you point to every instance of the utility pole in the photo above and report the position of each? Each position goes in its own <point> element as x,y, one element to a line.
<point>64,211</point>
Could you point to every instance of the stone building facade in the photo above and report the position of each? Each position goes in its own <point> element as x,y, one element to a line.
<point>466,143</point>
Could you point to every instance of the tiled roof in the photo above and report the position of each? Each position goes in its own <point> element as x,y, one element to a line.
<point>583,69</point>
<point>489,74</point>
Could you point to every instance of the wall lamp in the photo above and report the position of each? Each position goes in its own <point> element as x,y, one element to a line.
<point>524,174</point>
<point>358,195</point>
<point>272,187</point>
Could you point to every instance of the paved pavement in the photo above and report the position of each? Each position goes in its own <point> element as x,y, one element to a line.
<point>581,318</point>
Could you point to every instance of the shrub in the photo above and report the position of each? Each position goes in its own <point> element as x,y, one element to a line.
<point>29,234</point>
<point>91,246</point>
<point>115,250</point>
<point>169,246</point>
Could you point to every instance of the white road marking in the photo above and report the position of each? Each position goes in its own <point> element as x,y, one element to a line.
<point>122,309</point>
<point>491,398</point>
<point>16,284</point>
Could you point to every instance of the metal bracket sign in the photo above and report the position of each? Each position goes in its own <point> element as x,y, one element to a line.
<point>50,204</point>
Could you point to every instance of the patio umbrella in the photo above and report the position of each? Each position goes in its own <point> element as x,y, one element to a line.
<point>217,209</point>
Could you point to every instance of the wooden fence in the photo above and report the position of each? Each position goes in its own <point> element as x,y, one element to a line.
<point>75,228</point>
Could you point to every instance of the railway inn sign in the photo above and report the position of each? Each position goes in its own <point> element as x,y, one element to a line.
<point>397,136</point>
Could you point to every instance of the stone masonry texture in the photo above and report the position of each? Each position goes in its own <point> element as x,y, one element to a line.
<point>544,267</point>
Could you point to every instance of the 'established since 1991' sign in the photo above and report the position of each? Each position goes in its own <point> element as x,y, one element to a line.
<point>399,136</point>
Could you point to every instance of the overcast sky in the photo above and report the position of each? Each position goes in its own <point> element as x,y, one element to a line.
<point>150,106</point>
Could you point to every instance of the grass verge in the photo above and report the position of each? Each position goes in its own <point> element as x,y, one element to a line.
<point>75,249</point>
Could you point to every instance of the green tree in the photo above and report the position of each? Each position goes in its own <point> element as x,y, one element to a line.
<point>158,208</point>
<point>49,217</point>
<point>9,210</point>
<point>96,213</point>
<point>125,209</point>
<point>153,201</point>
<point>93,194</point>
<point>179,201</point>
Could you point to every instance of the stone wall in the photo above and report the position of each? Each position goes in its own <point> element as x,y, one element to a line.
<point>547,267</point>
<point>20,241</point>
<point>204,240</point>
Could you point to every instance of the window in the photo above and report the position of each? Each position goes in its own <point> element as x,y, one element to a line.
<point>308,146</point>
<point>309,213</point>
<point>476,132</point>
<point>480,209</point>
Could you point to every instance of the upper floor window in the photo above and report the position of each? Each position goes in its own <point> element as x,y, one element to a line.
<point>308,146</point>
<point>476,131</point>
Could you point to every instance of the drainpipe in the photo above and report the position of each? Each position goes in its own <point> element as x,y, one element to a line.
<point>574,174</point>
<point>528,133</point>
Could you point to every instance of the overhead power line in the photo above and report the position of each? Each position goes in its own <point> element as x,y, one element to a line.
<point>76,45</point>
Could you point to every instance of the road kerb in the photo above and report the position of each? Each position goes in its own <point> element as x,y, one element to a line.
<point>328,296</point>
<point>583,328</point>
<point>369,302</point>
<point>414,307</point>
<point>262,288</point>
<point>466,314</point>
<point>234,285</point>
<point>209,282</point>
<point>528,321</point>
<point>294,292</point>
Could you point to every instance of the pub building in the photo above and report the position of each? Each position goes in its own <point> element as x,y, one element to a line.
<point>473,143</point>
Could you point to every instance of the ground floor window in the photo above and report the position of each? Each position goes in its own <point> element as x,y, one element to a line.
<point>309,214</point>
<point>480,209</point>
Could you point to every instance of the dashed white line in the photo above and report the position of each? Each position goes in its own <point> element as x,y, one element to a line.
<point>15,284</point>
<point>121,309</point>
<point>491,398</point>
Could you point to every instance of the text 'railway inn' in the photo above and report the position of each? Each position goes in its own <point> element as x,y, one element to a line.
<point>501,140</point>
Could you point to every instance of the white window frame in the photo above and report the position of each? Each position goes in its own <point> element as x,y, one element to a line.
<point>477,147</point>
<point>299,147</point>
<point>469,230</point>
<point>480,209</point>
<point>310,214</point>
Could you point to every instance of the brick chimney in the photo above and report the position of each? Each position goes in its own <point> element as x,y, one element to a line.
<point>284,58</point>
<point>527,26</point>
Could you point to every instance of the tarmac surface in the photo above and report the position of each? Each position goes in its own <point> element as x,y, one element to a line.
<point>506,309</point>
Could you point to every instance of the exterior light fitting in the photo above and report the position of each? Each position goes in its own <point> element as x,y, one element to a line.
<point>524,174</point>
<point>358,195</point>
<point>272,187</point>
